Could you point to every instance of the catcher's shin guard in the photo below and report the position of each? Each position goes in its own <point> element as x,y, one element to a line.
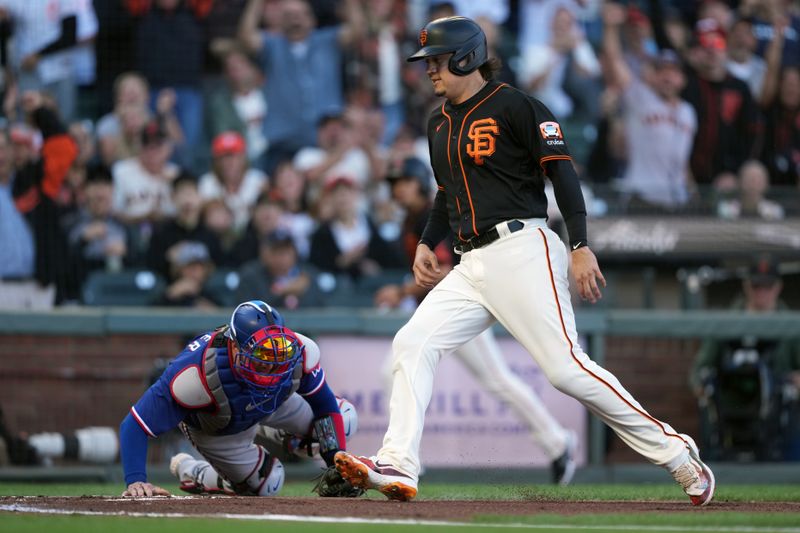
<point>266,479</point>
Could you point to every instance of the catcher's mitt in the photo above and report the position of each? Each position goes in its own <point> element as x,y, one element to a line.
<point>331,484</point>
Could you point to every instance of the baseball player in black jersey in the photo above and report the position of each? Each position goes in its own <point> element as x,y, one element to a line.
<point>492,147</point>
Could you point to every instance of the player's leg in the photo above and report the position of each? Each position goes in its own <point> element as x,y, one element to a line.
<point>539,314</point>
<point>485,361</point>
<point>248,468</point>
<point>448,317</point>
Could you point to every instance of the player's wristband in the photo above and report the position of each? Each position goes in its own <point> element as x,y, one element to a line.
<point>426,242</point>
<point>577,245</point>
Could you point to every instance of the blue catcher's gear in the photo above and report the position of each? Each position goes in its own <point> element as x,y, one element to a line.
<point>266,363</point>
<point>250,316</point>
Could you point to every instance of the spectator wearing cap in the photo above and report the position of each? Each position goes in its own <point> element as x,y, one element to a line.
<point>191,267</point>
<point>302,66</point>
<point>659,125</point>
<point>753,183</point>
<point>349,243</point>
<point>98,241</point>
<point>186,225</point>
<point>779,360</point>
<point>278,276</point>
<point>411,188</point>
<point>142,183</point>
<point>240,104</point>
<point>729,128</point>
<point>232,179</point>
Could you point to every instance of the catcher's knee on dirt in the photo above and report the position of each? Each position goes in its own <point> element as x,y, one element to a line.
<point>266,478</point>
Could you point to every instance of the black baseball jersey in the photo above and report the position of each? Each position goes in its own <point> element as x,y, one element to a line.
<point>489,156</point>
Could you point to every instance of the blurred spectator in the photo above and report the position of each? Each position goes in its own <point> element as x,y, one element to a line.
<point>142,183</point>
<point>765,14</point>
<point>218,218</point>
<point>609,155</point>
<point>780,101</point>
<point>729,131</point>
<point>374,65</point>
<point>119,132</point>
<point>349,243</point>
<point>743,63</point>
<point>289,188</point>
<point>191,267</point>
<point>411,188</point>
<point>45,33</point>
<point>35,189</point>
<point>187,225</point>
<point>97,240</point>
<point>27,142</point>
<point>501,46</point>
<point>278,276</point>
<point>659,125</point>
<point>113,50</point>
<point>221,32</point>
<point>231,179</point>
<point>71,196</point>
<point>748,386</point>
<point>336,153</point>
<point>170,46</point>
<point>240,104</point>
<point>268,217</point>
<point>17,251</point>
<point>751,203</point>
<point>564,72</point>
<point>303,71</point>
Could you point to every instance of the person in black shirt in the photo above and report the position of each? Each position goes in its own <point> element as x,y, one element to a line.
<point>491,148</point>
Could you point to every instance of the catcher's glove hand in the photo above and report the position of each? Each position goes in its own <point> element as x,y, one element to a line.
<point>331,484</point>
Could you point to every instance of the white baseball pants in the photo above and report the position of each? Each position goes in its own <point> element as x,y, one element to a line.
<point>521,281</point>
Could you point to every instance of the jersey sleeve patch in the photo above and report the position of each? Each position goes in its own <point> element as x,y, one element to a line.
<point>188,389</point>
<point>312,354</point>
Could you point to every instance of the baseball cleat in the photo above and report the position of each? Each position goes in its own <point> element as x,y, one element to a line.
<point>695,477</point>
<point>563,468</point>
<point>364,473</point>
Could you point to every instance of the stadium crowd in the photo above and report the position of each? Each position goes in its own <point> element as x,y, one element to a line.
<point>253,138</point>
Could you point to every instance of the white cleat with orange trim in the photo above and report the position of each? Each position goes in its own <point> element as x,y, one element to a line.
<point>368,473</point>
<point>695,477</point>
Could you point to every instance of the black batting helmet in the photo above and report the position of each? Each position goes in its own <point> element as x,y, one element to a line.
<point>457,35</point>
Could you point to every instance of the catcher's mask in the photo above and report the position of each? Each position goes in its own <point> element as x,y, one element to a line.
<point>457,35</point>
<point>265,364</point>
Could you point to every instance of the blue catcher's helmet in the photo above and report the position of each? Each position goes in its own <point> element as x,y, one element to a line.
<point>250,316</point>
<point>265,363</point>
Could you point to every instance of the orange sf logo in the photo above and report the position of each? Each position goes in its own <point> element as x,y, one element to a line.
<point>423,37</point>
<point>482,132</point>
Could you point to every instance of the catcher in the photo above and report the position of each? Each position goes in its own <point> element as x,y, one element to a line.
<point>231,390</point>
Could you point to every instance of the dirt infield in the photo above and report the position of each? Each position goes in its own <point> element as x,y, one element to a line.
<point>455,510</point>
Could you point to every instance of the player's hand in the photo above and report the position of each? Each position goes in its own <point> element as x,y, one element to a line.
<point>587,273</point>
<point>426,267</point>
<point>142,488</point>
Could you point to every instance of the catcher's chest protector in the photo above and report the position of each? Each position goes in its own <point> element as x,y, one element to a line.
<point>218,374</point>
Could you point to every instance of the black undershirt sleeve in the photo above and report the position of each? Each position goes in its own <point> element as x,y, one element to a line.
<point>569,199</point>
<point>438,226</point>
<point>67,39</point>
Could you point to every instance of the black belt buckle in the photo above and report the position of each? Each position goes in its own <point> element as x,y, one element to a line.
<point>487,238</point>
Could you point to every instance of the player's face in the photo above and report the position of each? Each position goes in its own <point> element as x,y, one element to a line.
<point>439,74</point>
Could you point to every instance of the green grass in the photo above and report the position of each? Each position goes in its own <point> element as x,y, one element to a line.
<point>446,491</point>
<point>690,521</point>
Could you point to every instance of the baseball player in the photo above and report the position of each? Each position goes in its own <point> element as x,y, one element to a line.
<point>491,148</point>
<point>411,185</point>
<point>220,390</point>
